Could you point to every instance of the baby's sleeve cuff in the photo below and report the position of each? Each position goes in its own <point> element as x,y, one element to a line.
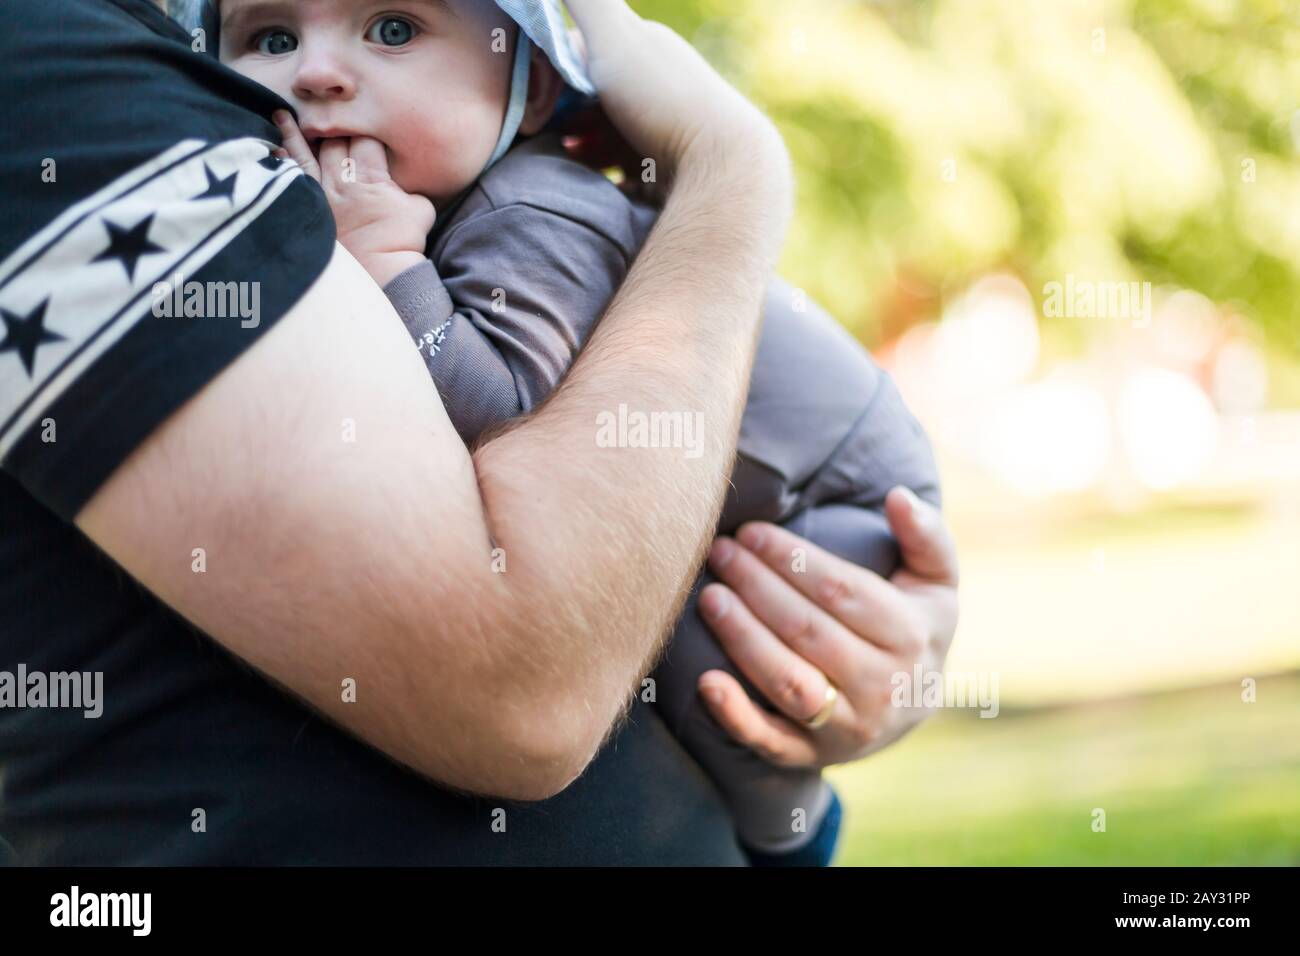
<point>420,298</point>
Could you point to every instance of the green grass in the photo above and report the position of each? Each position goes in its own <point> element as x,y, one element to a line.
<point>1100,607</point>
<point>1185,777</point>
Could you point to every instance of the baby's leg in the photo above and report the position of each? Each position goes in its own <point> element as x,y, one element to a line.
<point>763,799</point>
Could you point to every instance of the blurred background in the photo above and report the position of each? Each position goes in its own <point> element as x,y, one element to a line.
<point>1071,230</point>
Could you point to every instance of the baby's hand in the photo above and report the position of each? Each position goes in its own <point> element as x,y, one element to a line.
<point>384,227</point>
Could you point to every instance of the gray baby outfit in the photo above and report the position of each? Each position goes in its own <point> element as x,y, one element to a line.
<point>520,271</point>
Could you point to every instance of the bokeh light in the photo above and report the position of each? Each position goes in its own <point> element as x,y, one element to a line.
<point>1124,488</point>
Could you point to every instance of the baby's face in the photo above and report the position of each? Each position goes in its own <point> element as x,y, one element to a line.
<point>420,76</point>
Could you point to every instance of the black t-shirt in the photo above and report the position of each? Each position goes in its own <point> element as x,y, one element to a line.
<point>129,159</point>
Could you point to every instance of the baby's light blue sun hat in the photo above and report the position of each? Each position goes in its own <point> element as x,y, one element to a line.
<point>541,23</point>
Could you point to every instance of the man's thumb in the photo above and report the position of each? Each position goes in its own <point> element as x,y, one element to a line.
<point>927,547</point>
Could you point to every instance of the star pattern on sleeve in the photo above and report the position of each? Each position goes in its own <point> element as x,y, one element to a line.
<point>129,246</point>
<point>23,334</point>
<point>218,188</point>
<point>91,275</point>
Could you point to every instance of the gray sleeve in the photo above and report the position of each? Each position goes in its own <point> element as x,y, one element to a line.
<point>513,298</point>
<point>824,423</point>
<point>885,447</point>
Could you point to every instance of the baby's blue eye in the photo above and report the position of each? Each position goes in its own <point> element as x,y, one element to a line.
<point>276,42</point>
<point>391,31</point>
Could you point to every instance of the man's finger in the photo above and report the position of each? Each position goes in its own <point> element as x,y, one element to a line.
<point>773,738</point>
<point>861,600</point>
<point>923,537</point>
<point>788,680</point>
<point>803,626</point>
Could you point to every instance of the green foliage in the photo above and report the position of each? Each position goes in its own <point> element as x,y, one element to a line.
<point>1116,140</point>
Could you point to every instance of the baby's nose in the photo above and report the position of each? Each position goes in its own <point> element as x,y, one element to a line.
<point>323,76</point>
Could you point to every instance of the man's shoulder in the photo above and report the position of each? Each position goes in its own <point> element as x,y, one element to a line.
<point>537,175</point>
<point>145,172</point>
<point>101,12</point>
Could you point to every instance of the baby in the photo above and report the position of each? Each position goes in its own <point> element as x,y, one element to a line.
<point>407,106</point>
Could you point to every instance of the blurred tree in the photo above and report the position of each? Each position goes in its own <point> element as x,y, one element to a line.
<point>1114,140</point>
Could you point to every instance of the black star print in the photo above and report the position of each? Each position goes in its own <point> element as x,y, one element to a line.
<point>218,188</point>
<point>25,334</point>
<point>128,245</point>
<point>270,161</point>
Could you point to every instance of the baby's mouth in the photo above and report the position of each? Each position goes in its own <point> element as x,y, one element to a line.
<point>315,136</point>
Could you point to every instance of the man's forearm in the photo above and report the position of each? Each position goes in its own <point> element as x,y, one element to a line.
<point>610,537</point>
<point>370,560</point>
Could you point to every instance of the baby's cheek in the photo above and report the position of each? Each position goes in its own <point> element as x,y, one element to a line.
<point>436,167</point>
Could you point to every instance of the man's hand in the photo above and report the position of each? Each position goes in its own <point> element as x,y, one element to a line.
<point>384,227</point>
<point>791,632</point>
<point>664,98</point>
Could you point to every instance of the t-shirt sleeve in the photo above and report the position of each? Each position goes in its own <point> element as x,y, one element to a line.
<point>150,237</point>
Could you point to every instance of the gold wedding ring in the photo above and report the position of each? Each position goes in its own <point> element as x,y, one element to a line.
<point>823,716</point>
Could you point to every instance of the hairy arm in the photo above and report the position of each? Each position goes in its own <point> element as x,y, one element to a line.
<point>371,559</point>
